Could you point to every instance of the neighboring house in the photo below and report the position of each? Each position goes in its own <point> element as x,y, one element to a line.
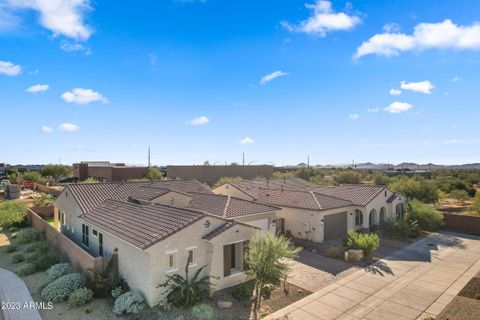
<point>156,227</point>
<point>104,171</point>
<point>319,213</point>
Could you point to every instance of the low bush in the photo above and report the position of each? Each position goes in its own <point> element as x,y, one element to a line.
<point>11,248</point>
<point>58,270</point>
<point>243,291</point>
<point>368,242</point>
<point>129,302</point>
<point>400,228</point>
<point>428,218</point>
<point>117,292</point>
<point>13,229</point>
<point>17,257</point>
<point>12,214</point>
<point>27,269</point>
<point>43,260</point>
<point>474,208</point>
<point>80,297</point>
<point>44,201</point>
<point>29,248</point>
<point>29,235</point>
<point>63,287</point>
<point>203,311</point>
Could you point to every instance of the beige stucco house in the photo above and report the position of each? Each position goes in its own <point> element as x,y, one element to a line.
<point>156,227</point>
<point>318,213</point>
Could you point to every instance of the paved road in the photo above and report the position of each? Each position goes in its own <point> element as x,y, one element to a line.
<point>412,283</point>
<point>16,299</point>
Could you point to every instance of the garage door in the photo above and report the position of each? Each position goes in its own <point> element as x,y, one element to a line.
<point>335,225</point>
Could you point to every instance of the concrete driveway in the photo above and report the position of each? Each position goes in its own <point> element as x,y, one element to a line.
<point>412,283</point>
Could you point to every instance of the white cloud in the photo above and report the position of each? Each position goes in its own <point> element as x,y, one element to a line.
<point>83,96</point>
<point>38,88</point>
<point>391,27</point>
<point>420,87</point>
<point>454,141</point>
<point>354,116</point>
<point>323,20</point>
<point>271,76</point>
<point>246,140</point>
<point>372,110</point>
<point>397,107</point>
<point>62,17</point>
<point>46,129</point>
<point>395,92</point>
<point>199,121</point>
<point>9,69</point>
<point>69,127</point>
<point>442,35</point>
<point>74,46</point>
<point>456,78</point>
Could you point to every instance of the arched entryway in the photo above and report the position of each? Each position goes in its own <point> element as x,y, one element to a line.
<point>382,215</point>
<point>372,219</point>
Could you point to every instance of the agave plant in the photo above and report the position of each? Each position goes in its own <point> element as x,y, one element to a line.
<point>185,291</point>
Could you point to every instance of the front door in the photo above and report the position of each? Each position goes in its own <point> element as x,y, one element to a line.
<point>280,226</point>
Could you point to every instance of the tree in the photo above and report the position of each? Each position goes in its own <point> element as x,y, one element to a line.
<point>224,180</point>
<point>89,180</point>
<point>154,174</point>
<point>348,177</point>
<point>379,179</point>
<point>266,260</point>
<point>426,215</point>
<point>56,171</point>
<point>459,195</point>
<point>416,188</point>
<point>33,176</point>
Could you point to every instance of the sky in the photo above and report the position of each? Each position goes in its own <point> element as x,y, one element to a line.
<point>376,81</point>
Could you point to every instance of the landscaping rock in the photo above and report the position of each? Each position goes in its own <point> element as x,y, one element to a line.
<point>355,255</point>
<point>225,304</point>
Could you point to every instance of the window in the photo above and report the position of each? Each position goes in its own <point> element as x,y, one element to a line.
<point>100,244</point>
<point>399,211</point>
<point>62,217</point>
<point>171,261</point>
<point>191,257</point>
<point>85,240</point>
<point>233,256</point>
<point>358,217</point>
<point>95,232</point>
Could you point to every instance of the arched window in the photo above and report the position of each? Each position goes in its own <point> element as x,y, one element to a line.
<point>399,211</point>
<point>358,217</point>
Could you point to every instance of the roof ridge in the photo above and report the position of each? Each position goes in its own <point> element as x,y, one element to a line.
<point>330,196</point>
<point>225,209</point>
<point>316,200</point>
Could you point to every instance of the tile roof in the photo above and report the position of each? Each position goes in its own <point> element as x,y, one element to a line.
<point>250,187</point>
<point>300,199</point>
<point>227,206</point>
<point>148,194</point>
<point>358,194</point>
<point>89,196</point>
<point>141,226</point>
<point>393,197</point>
<point>224,227</point>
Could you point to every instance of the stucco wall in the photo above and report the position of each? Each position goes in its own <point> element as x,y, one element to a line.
<point>229,190</point>
<point>270,216</point>
<point>174,199</point>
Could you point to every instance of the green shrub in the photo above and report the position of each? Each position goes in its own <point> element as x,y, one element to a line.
<point>368,242</point>
<point>426,215</point>
<point>11,248</point>
<point>88,309</point>
<point>243,291</point>
<point>29,235</point>
<point>43,260</point>
<point>29,248</point>
<point>400,228</point>
<point>44,201</point>
<point>129,302</point>
<point>63,287</point>
<point>203,311</point>
<point>27,269</point>
<point>12,214</point>
<point>13,229</point>
<point>58,270</point>
<point>475,206</point>
<point>117,292</point>
<point>416,188</point>
<point>80,297</point>
<point>17,257</point>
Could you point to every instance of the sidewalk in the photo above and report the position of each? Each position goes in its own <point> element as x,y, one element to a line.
<point>414,282</point>
<point>18,303</point>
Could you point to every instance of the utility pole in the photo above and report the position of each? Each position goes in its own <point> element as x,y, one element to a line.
<point>243,158</point>
<point>308,161</point>
<point>149,156</point>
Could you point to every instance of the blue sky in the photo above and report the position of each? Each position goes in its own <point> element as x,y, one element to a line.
<point>207,80</point>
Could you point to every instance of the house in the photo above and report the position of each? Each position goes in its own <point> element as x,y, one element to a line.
<point>157,227</point>
<point>106,171</point>
<point>317,213</point>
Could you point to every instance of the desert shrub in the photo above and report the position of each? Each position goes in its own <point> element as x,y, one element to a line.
<point>348,177</point>
<point>60,289</point>
<point>203,311</point>
<point>416,188</point>
<point>475,206</point>
<point>243,291</point>
<point>368,242</point>
<point>129,302</point>
<point>44,201</point>
<point>27,269</point>
<point>88,309</point>
<point>13,229</point>
<point>43,260</point>
<point>12,214</point>
<point>42,286</point>
<point>17,257</point>
<point>11,248</point>
<point>117,292</point>
<point>426,215</point>
<point>80,297</point>
<point>400,228</point>
<point>58,270</point>
<point>29,248</point>
<point>29,235</point>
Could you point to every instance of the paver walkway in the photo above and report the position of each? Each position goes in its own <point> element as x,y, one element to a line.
<point>17,303</point>
<point>412,283</point>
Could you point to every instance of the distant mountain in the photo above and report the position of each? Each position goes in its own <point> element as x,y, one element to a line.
<point>403,165</point>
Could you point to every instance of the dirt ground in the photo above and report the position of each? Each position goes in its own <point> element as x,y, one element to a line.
<point>101,309</point>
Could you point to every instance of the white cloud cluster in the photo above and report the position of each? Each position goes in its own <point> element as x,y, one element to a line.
<point>199,121</point>
<point>83,96</point>
<point>269,77</point>
<point>38,88</point>
<point>395,92</point>
<point>420,87</point>
<point>323,20</point>
<point>46,129</point>
<point>246,140</point>
<point>68,127</point>
<point>354,116</point>
<point>397,107</point>
<point>62,17</point>
<point>373,110</point>
<point>9,69</point>
<point>442,35</point>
